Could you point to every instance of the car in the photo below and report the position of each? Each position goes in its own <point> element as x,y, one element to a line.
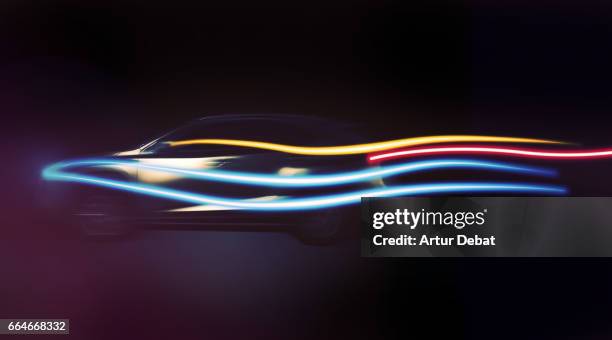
<point>101,212</point>
<point>265,172</point>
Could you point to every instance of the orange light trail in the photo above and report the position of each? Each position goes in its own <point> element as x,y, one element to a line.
<point>361,148</point>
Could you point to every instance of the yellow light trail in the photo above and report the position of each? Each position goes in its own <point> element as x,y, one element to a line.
<point>361,148</point>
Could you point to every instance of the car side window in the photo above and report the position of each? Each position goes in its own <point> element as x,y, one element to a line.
<point>263,130</point>
<point>201,150</point>
<point>248,129</point>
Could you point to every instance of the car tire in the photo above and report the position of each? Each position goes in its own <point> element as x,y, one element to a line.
<point>100,215</point>
<point>322,227</point>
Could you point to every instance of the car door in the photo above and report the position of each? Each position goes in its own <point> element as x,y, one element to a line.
<point>202,158</point>
<point>210,157</point>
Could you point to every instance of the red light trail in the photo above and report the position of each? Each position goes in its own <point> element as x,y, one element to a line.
<point>491,150</point>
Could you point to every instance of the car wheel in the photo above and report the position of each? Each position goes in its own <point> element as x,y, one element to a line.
<point>322,228</point>
<point>101,216</point>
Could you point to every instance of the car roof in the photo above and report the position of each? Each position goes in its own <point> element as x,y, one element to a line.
<point>323,125</point>
<point>265,116</point>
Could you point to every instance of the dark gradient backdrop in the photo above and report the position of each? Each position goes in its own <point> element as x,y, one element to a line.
<point>84,77</point>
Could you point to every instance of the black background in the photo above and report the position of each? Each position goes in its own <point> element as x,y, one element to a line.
<point>82,77</point>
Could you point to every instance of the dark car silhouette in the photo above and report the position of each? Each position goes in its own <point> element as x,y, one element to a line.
<point>102,212</point>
